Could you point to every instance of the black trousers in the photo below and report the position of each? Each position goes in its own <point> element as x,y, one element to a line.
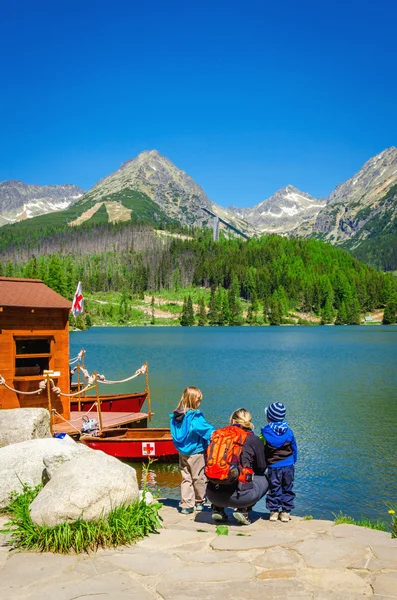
<point>236,498</point>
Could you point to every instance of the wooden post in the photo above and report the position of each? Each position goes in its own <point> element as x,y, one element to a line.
<point>98,404</point>
<point>49,402</point>
<point>78,387</point>
<point>148,392</point>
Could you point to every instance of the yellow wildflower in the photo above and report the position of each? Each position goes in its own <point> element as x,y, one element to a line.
<point>392,512</point>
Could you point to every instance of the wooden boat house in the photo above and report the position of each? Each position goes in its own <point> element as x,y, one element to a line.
<point>34,337</point>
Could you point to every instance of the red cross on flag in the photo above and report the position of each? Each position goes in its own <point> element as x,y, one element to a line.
<point>78,301</point>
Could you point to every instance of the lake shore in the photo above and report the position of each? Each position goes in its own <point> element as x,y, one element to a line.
<point>187,559</point>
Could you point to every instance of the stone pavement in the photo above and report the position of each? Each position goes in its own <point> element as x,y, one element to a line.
<point>308,560</point>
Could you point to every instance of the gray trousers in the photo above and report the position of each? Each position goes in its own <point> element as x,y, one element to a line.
<point>224,498</point>
<point>193,480</point>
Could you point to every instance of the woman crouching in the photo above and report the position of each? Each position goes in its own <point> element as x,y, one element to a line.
<point>240,481</point>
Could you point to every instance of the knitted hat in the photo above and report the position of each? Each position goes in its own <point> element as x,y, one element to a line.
<point>275,412</point>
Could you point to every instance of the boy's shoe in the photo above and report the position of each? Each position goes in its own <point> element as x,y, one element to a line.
<point>219,515</point>
<point>285,517</point>
<point>241,515</point>
<point>274,515</point>
<point>187,511</point>
<point>199,506</point>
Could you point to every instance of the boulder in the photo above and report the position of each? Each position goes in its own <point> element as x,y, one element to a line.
<point>23,464</point>
<point>67,450</point>
<point>87,487</point>
<point>21,424</point>
<point>26,463</point>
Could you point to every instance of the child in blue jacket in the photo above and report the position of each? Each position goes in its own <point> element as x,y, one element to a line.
<point>191,434</point>
<point>281,453</point>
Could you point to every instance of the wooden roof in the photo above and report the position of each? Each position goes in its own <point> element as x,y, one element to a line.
<point>30,293</point>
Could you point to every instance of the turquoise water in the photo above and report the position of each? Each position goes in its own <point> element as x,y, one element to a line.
<point>339,385</point>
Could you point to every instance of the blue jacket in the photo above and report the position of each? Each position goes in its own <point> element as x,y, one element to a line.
<point>190,431</point>
<point>277,435</point>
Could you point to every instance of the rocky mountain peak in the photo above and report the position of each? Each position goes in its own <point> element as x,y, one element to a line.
<point>19,201</point>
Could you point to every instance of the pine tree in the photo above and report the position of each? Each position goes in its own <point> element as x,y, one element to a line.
<point>235,308</point>
<point>184,318</point>
<point>327,313</point>
<point>276,311</point>
<point>212,315</point>
<point>341,317</point>
<point>202,315</point>
<point>152,321</point>
<point>389,315</point>
<point>189,311</point>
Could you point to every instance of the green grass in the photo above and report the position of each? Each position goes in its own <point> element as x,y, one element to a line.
<point>341,518</point>
<point>124,525</point>
<point>222,530</point>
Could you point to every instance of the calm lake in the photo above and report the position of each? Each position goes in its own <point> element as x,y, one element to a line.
<point>339,385</point>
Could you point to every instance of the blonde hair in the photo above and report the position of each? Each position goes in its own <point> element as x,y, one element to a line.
<point>190,398</point>
<point>242,417</point>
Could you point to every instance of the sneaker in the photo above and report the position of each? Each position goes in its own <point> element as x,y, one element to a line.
<point>274,515</point>
<point>187,511</point>
<point>242,516</point>
<point>219,515</point>
<point>285,517</point>
<point>199,506</point>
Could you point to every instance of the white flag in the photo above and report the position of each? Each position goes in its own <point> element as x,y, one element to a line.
<point>78,301</point>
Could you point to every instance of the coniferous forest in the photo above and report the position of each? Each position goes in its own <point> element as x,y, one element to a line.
<point>272,275</point>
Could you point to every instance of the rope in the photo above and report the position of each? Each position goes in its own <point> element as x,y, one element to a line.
<point>102,379</point>
<point>77,358</point>
<point>39,391</point>
<point>63,419</point>
<point>85,414</point>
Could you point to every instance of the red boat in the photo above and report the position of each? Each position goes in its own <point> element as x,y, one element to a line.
<point>112,402</point>
<point>135,444</point>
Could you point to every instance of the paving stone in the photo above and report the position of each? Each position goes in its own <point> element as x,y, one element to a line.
<point>209,557</point>
<point>336,582</point>
<point>116,585</point>
<point>277,557</point>
<point>263,539</point>
<point>313,525</point>
<point>363,535</point>
<point>212,572</point>
<point>171,538</point>
<point>277,574</point>
<point>330,552</point>
<point>149,563</point>
<point>92,566</point>
<point>385,585</point>
<point>280,589</point>
<point>24,569</point>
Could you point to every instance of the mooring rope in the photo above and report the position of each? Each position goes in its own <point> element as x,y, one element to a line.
<point>76,359</point>
<point>91,381</point>
<point>102,378</point>
<point>39,391</point>
<point>54,411</point>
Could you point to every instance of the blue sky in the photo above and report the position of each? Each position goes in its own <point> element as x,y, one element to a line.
<point>246,97</point>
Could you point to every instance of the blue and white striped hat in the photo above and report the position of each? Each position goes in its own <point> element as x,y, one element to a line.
<point>275,412</point>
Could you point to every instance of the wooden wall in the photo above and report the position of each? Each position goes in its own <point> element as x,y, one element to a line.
<point>22,322</point>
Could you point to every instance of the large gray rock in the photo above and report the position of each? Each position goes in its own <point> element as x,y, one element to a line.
<point>23,463</point>
<point>67,450</point>
<point>21,424</point>
<point>88,487</point>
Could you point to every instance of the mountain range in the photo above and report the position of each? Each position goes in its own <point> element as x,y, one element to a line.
<point>19,201</point>
<point>360,213</point>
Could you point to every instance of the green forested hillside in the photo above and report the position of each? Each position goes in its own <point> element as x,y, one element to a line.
<point>274,275</point>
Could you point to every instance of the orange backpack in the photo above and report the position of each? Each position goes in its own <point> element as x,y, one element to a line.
<point>223,466</point>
